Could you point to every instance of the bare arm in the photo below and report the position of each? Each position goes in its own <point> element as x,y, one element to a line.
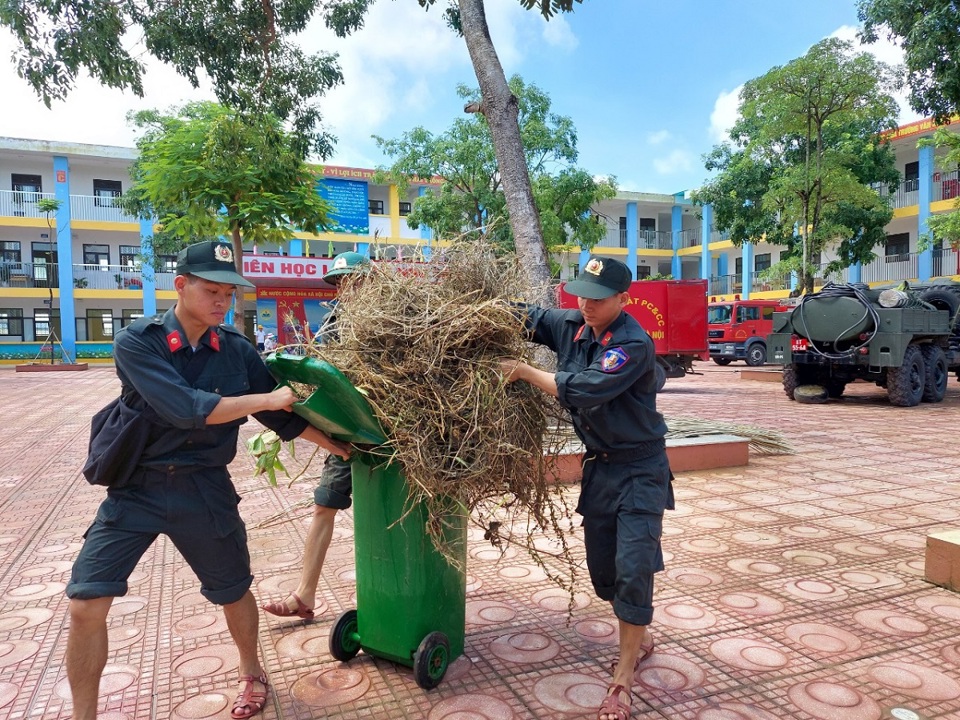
<point>514,370</point>
<point>334,447</point>
<point>232,408</point>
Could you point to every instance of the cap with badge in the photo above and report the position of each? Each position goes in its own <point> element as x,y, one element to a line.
<point>211,260</point>
<point>601,277</point>
<point>344,264</point>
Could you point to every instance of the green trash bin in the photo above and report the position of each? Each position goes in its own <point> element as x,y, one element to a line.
<point>411,602</point>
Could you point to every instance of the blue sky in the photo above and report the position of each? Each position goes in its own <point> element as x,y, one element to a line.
<point>650,85</point>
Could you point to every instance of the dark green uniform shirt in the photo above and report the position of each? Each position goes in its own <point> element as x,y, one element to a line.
<point>152,353</point>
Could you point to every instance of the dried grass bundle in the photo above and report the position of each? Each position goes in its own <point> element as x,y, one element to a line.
<point>422,342</point>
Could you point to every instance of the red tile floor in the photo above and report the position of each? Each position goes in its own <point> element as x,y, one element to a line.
<point>794,586</point>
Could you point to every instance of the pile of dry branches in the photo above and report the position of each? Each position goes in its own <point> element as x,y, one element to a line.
<point>422,342</point>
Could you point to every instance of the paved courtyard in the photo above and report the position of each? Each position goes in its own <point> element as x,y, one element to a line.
<point>794,586</point>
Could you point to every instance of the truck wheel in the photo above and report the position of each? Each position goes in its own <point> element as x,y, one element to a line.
<point>756,354</point>
<point>944,297</point>
<point>793,378</point>
<point>721,361</point>
<point>431,659</point>
<point>905,383</point>
<point>835,388</point>
<point>936,373</point>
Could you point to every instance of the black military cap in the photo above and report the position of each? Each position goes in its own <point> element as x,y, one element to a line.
<point>210,260</point>
<point>600,278</point>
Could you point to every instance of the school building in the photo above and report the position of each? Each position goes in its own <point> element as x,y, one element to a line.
<point>71,276</point>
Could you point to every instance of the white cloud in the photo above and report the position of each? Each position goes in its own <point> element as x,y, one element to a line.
<point>558,34</point>
<point>725,114</point>
<point>91,113</point>
<point>658,137</point>
<point>887,52</point>
<point>678,161</point>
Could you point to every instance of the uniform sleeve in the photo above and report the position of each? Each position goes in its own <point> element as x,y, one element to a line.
<point>287,425</point>
<point>614,371</point>
<point>546,326</point>
<point>140,365</point>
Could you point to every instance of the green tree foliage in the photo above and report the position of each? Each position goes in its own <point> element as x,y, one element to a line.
<point>207,171</point>
<point>801,159</point>
<point>929,33</point>
<point>472,195</point>
<point>500,107</point>
<point>946,226</point>
<point>245,47</point>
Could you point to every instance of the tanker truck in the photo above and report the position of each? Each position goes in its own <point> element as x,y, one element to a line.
<point>906,339</point>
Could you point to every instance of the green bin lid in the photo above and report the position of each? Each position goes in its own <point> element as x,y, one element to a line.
<point>336,406</point>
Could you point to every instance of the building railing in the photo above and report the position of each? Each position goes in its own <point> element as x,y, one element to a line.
<point>98,207</point>
<point>646,239</point>
<point>690,238</point>
<point>946,186</point>
<point>892,267</point>
<point>15,203</point>
<point>107,277</point>
<point>29,274</point>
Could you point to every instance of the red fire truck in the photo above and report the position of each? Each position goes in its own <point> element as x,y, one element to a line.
<point>738,330</point>
<point>674,314</point>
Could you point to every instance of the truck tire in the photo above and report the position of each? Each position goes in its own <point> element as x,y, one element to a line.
<point>905,383</point>
<point>936,373</point>
<point>794,377</point>
<point>945,297</point>
<point>835,388</point>
<point>756,354</point>
<point>721,361</point>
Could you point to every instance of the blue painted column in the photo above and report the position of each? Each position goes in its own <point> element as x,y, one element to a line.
<point>722,265</point>
<point>363,248</point>
<point>426,234</point>
<point>706,226</point>
<point>632,238</point>
<point>925,261</point>
<point>584,258</point>
<point>68,312</point>
<point>296,247</point>
<point>855,273</point>
<point>676,226</point>
<point>747,284</point>
<point>148,274</point>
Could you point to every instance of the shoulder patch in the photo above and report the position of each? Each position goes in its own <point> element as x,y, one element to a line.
<point>613,360</point>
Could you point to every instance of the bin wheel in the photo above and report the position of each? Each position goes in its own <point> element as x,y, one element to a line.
<point>344,638</point>
<point>431,660</point>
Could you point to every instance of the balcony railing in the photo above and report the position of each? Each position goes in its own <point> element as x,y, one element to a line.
<point>14,203</point>
<point>892,267</point>
<point>690,238</point>
<point>29,275</point>
<point>97,207</point>
<point>107,277</point>
<point>946,186</point>
<point>646,239</point>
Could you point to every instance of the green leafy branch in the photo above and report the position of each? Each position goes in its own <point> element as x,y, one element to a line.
<point>265,448</point>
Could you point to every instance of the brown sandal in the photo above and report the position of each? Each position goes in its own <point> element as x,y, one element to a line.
<point>612,705</point>
<point>280,609</point>
<point>249,702</point>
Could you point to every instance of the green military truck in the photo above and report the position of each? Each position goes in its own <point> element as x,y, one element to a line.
<point>905,339</point>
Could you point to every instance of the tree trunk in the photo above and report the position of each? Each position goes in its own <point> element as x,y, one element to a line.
<point>239,302</point>
<point>501,110</point>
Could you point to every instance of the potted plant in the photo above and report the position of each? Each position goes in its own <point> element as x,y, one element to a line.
<point>119,278</point>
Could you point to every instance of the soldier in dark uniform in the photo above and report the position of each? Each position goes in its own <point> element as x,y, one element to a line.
<point>605,377</point>
<point>336,482</point>
<point>181,486</point>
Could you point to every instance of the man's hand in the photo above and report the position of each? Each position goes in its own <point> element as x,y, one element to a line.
<point>512,370</point>
<point>282,398</point>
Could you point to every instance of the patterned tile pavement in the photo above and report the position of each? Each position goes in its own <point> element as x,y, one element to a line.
<point>794,586</point>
